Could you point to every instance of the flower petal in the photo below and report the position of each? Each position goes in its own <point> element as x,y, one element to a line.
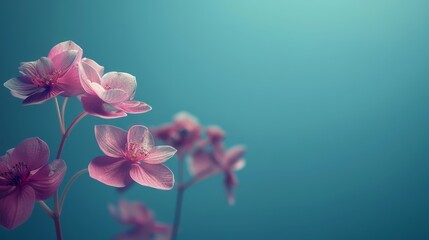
<point>16,207</point>
<point>97,107</point>
<point>41,97</point>
<point>111,95</point>
<point>120,80</point>
<point>65,46</point>
<point>114,172</point>
<point>232,156</point>
<point>28,69</point>
<point>32,151</point>
<point>5,189</point>
<point>133,107</point>
<point>70,83</point>
<point>64,61</point>
<point>98,68</point>
<point>203,164</point>
<point>140,135</point>
<point>44,66</point>
<point>47,179</point>
<point>230,183</point>
<point>87,76</point>
<point>131,213</point>
<point>156,176</point>
<point>111,140</point>
<point>21,87</point>
<point>159,154</point>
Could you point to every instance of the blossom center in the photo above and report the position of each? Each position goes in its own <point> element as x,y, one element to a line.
<point>136,151</point>
<point>47,80</point>
<point>16,174</point>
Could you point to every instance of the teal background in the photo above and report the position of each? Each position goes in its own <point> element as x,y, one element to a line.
<point>329,96</point>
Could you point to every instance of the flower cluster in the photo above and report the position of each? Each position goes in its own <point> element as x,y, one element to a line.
<point>65,73</point>
<point>130,156</point>
<point>207,156</point>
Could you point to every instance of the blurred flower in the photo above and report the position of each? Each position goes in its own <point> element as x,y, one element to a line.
<point>109,96</point>
<point>26,176</point>
<point>182,133</point>
<point>131,156</point>
<point>211,159</point>
<point>49,76</point>
<point>142,221</point>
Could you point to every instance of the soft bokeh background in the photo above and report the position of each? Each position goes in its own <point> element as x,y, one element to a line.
<point>330,97</point>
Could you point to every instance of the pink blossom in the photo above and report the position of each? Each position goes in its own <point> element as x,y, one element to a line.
<point>182,133</point>
<point>211,159</point>
<point>144,226</point>
<point>56,74</point>
<point>131,157</point>
<point>110,95</point>
<point>26,176</point>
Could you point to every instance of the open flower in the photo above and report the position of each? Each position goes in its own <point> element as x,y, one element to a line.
<point>56,74</point>
<point>209,160</point>
<point>26,176</point>
<point>131,157</point>
<point>109,96</point>
<point>182,133</point>
<point>144,226</point>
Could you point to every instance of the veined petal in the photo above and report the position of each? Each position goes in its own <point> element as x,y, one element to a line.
<point>111,140</point>
<point>134,107</point>
<point>87,76</point>
<point>140,135</point>
<point>47,179</point>
<point>64,61</point>
<point>21,87</point>
<point>114,172</point>
<point>159,154</point>
<point>97,107</point>
<point>152,175</point>
<point>28,69</point>
<point>98,68</point>
<point>32,151</point>
<point>5,189</point>
<point>120,80</point>
<point>65,46</point>
<point>70,83</point>
<point>111,95</point>
<point>44,66</point>
<point>16,207</point>
<point>41,97</point>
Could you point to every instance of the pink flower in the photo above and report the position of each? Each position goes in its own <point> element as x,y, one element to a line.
<point>109,96</point>
<point>211,159</point>
<point>49,76</point>
<point>26,176</point>
<point>144,226</point>
<point>182,133</point>
<point>131,157</point>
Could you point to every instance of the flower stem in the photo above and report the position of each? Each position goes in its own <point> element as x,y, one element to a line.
<point>46,208</point>
<point>60,119</point>
<point>63,110</point>
<point>58,230</point>
<point>57,207</point>
<point>67,133</point>
<point>68,186</point>
<point>179,200</point>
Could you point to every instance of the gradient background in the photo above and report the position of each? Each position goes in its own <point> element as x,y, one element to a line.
<point>330,97</point>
